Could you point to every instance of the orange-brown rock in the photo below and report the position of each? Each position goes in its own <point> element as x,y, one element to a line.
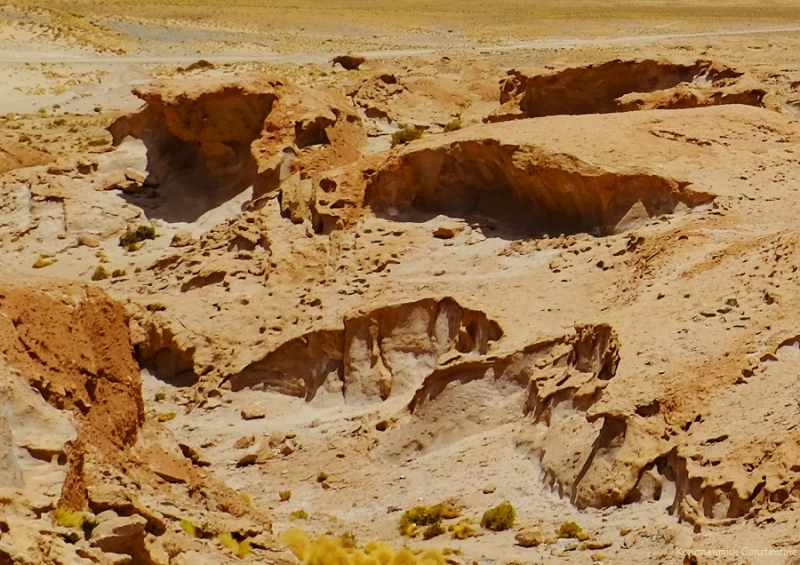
<point>623,86</point>
<point>17,154</point>
<point>252,130</point>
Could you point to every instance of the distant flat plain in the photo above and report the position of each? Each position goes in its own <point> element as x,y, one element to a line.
<point>523,19</point>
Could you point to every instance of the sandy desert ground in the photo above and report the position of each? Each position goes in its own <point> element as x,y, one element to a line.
<point>309,265</point>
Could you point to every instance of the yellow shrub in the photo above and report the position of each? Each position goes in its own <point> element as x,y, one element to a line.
<point>244,549</point>
<point>499,518</point>
<point>44,261</point>
<point>463,530</point>
<point>67,518</point>
<point>189,527</point>
<point>427,516</point>
<point>227,541</point>
<point>299,515</point>
<point>239,549</point>
<point>571,530</point>
<point>327,551</point>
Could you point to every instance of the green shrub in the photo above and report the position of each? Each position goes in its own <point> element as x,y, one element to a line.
<point>132,239</point>
<point>166,417</point>
<point>435,529</point>
<point>453,125</point>
<point>406,135</point>
<point>119,273</point>
<point>427,516</point>
<point>285,495</point>
<point>161,396</point>
<point>322,477</point>
<point>571,530</point>
<point>499,518</point>
<point>100,273</point>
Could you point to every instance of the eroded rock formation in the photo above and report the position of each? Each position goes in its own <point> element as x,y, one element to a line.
<point>623,86</point>
<point>215,141</point>
<point>378,353</point>
<point>524,177</point>
<point>77,438</point>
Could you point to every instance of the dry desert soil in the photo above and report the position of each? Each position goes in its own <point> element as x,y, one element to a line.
<point>323,282</point>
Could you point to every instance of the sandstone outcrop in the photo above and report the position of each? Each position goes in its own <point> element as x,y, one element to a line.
<point>15,154</point>
<point>382,352</point>
<point>77,436</point>
<point>551,382</point>
<point>533,177</point>
<point>401,97</point>
<point>623,86</point>
<point>211,142</point>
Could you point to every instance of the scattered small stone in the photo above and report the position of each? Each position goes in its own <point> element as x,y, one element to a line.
<point>212,403</point>
<point>86,166</point>
<point>349,62</point>
<point>182,239</point>
<point>529,536</point>
<point>254,412</point>
<point>244,442</point>
<point>88,240</point>
<point>569,544</point>
<point>135,176</point>
<point>630,540</point>
<point>194,455</point>
<point>105,515</point>
<point>489,489</point>
<point>117,534</point>
<point>288,447</point>
<point>58,169</point>
<point>113,181</point>
<point>248,459</point>
<point>594,545</point>
<point>447,232</point>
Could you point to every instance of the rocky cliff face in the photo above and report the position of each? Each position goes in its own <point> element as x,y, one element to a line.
<point>77,442</point>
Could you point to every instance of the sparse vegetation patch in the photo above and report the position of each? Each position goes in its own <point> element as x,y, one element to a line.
<point>131,240</point>
<point>572,530</point>
<point>334,551</point>
<point>499,518</point>
<point>406,135</point>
